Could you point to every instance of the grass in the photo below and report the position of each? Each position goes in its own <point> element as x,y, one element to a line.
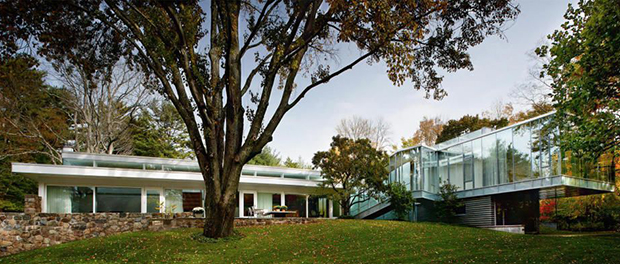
<point>338,241</point>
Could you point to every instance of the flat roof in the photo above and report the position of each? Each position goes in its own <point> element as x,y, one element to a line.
<point>43,171</point>
<point>121,161</point>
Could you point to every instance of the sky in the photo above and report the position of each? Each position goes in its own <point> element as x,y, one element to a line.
<point>500,65</point>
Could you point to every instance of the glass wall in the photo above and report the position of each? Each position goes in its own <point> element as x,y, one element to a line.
<point>265,201</point>
<point>455,162</point>
<point>477,152</point>
<point>504,156</point>
<point>429,165</point>
<point>248,201</point>
<point>476,160</point>
<point>276,199</point>
<point>118,200</point>
<point>468,165</point>
<point>178,201</point>
<point>318,206</point>
<point>296,203</point>
<point>442,167</point>
<point>405,168</point>
<point>538,148</point>
<point>522,152</point>
<point>69,199</point>
<point>152,201</point>
<point>174,201</point>
<point>489,160</point>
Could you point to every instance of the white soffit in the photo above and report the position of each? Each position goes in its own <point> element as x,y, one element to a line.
<point>41,171</point>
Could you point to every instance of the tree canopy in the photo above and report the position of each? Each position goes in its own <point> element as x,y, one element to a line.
<point>33,126</point>
<point>585,54</point>
<point>267,157</point>
<point>159,132</point>
<point>353,171</point>
<point>428,132</point>
<point>466,124</point>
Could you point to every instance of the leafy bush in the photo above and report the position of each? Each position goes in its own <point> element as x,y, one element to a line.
<point>449,203</point>
<point>400,199</point>
<point>586,213</point>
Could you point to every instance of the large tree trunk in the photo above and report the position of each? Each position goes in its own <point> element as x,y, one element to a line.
<point>220,218</point>
<point>220,203</point>
<point>346,208</point>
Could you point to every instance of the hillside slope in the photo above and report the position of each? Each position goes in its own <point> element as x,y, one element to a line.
<point>337,241</point>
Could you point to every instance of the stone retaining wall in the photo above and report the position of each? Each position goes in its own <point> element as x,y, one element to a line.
<point>26,231</point>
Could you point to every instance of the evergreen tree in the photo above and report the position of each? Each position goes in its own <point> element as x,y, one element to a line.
<point>267,157</point>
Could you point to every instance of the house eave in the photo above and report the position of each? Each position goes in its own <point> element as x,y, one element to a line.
<point>41,171</point>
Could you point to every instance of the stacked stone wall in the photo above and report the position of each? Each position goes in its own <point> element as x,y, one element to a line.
<point>27,231</point>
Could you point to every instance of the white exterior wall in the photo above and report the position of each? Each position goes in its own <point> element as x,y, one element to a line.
<point>55,175</point>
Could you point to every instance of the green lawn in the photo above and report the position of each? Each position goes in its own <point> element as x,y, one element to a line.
<point>338,241</point>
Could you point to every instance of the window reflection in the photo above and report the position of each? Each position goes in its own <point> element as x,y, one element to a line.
<point>521,155</point>
<point>118,200</point>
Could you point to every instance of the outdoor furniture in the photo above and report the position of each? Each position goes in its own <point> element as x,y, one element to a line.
<point>260,212</point>
<point>282,213</point>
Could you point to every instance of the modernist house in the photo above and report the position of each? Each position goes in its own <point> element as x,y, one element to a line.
<point>87,183</point>
<point>501,175</point>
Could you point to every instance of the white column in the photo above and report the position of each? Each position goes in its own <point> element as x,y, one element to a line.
<point>94,199</point>
<point>307,206</point>
<point>282,200</point>
<point>241,204</point>
<point>162,200</point>
<point>43,196</point>
<point>143,200</point>
<point>330,213</point>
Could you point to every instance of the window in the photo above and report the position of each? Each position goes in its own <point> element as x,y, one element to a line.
<point>152,201</point>
<point>69,199</point>
<point>318,206</point>
<point>178,201</point>
<point>468,165</point>
<point>504,156</point>
<point>191,200</point>
<point>477,152</point>
<point>174,201</point>
<point>456,166</point>
<point>118,199</point>
<point>443,168</point>
<point>431,179</point>
<point>296,203</point>
<point>276,200</point>
<point>489,160</point>
<point>248,201</point>
<point>538,146</point>
<point>521,153</point>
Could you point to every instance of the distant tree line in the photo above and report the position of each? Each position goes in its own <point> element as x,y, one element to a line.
<point>93,114</point>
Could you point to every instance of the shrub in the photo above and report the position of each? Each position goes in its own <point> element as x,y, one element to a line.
<point>401,200</point>
<point>449,203</point>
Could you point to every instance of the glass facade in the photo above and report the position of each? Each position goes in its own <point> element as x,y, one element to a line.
<point>318,206</point>
<point>118,200</point>
<point>174,201</point>
<point>69,199</point>
<point>178,201</point>
<point>152,201</point>
<point>296,203</point>
<point>486,158</point>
